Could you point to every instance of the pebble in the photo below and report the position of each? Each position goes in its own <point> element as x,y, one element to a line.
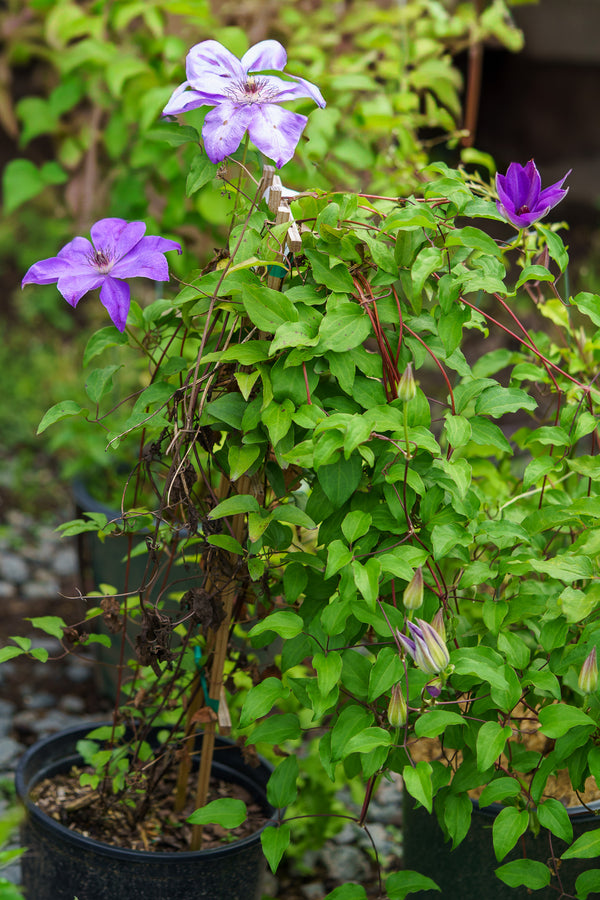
<point>10,751</point>
<point>13,568</point>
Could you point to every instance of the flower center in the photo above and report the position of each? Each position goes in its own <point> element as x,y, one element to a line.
<point>252,90</point>
<point>522,210</point>
<point>101,260</point>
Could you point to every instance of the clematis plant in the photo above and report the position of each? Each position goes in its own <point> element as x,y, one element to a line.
<point>244,101</point>
<point>323,457</point>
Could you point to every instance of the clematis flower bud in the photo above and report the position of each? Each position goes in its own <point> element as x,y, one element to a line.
<point>413,592</point>
<point>426,647</point>
<point>434,687</point>
<point>588,677</point>
<point>397,710</point>
<point>438,623</point>
<point>407,386</point>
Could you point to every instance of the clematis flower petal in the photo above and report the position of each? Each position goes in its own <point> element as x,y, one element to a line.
<point>298,90</point>
<point>276,131</point>
<point>554,194</point>
<point>223,129</point>
<point>182,100</point>
<point>264,55</point>
<point>115,297</point>
<point>142,264</point>
<point>74,286</point>
<point>46,271</point>
<point>105,233</point>
<point>209,59</point>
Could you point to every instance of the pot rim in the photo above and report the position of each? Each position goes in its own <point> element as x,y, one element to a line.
<point>579,812</point>
<point>23,789</point>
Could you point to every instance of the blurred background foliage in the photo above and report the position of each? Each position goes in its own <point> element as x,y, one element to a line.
<point>82,86</point>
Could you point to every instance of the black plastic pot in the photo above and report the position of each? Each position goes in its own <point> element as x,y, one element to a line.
<point>62,865</point>
<point>467,873</point>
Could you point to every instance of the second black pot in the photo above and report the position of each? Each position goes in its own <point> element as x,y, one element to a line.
<point>467,873</point>
<point>61,864</point>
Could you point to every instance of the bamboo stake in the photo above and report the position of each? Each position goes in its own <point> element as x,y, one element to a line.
<point>216,687</point>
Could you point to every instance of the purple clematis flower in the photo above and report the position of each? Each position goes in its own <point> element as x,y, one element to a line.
<point>426,647</point>
<point>243,101</point>
<point>522,201</point>
<point>119,250</point>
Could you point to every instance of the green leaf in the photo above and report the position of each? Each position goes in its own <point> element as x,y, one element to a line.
<point>277,729</point>
<point>526,872</point>
<point>435,721</point>
<point>356,524</point>
<point>175,135</point>
<point>241,458</point>
<point>52,625</point>
<point>278,419</point>
<point>281,788</point>
<point>261,699</point>
<point>336,278</point>
<point>588,883</point>
<point>458,810</point>
<point>553,816</point>
<point>343,328</point>
<point>499,790</point>
<point>201,172</point>
<point>329,669</point>
<point>226,811</point>
<point>352,720</point>
<point>340,479</point>
<point>22,181</point>
<point>509,825</point>
<point>274,842</point>
<point>428,260</point>
<point>233,506</point>
<point>368,740</point>
<point>386,671</point>
<point>60,411</point>
<point>348,891</point>
<point>7,653</point>
<point>557,719</point>
<point>399,885</point>
<point>283,622</point>
<point>103,339</point>
<point>100,382</point>
<point>338,557</point>
<point>268,309</point>
<point>496,401</point>
<point>418,783</point>
<point>490,743</point>
<point>366,577</point>
<point>589,304</point>
<point>587,846</point>
<point>534,273</point>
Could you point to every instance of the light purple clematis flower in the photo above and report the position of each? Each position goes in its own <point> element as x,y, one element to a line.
<point>426,647</point>
<point>119,250</point>
<point>522,200</point>
<point>243,101</point>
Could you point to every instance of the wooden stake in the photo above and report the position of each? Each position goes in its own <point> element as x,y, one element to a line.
<point>216,686</point>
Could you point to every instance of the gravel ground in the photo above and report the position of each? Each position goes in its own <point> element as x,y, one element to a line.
<point>39,576</point>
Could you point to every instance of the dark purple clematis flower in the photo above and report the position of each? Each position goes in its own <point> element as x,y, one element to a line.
<point>119,250</point>
<point>522,200</point>
<point>243,101</point>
